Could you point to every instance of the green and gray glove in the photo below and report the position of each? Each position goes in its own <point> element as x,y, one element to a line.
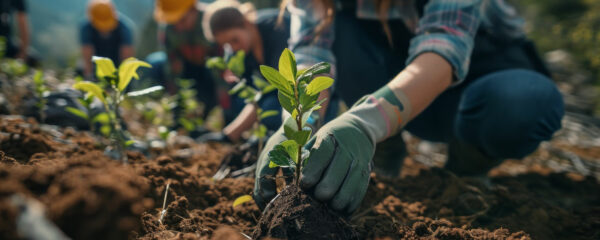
<point>339,165</point>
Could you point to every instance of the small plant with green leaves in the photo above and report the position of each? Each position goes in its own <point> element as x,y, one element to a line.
<point>252,96</point>
<point>229,61</point>
<point>113,94</point>
<point>189,110</point>
<point>298,93</point>
<point>41,92</point>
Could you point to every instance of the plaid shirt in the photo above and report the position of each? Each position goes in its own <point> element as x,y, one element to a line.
<point>447,27</point>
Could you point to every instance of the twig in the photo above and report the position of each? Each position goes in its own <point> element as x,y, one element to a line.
<point>164,210</point>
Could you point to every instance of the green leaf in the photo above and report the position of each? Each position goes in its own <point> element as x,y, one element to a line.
<point>286,102</point>
<point>261,131</point>
<point>91,88</point>
<point>259,82</point>
<point>77,112</point>
<point>101,118</point>
<point>104,67</point>
<point>277,80</point>
<point>301,137</point>
<point>318,84</point>
<point>38,78</point>
<point>291,148</point>
<point>236,63</point>
<point>128,70</point>
<point>267,114</point>
<point>129,143</point>
<point>287,66</point>
<point>105,130</point>
<point>268,89</point>
<point>278,157</point>
<point>216,63</point>
<point>306,100</point>
<point>319,68</point>
<point>187,124</point>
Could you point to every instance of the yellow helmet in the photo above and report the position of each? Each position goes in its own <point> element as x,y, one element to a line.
<point>171,11</point>
<point>102,15</point>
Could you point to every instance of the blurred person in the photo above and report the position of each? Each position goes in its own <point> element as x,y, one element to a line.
<point>185,50</point>
<point>458,72</point>
<point>258,35</point>
<point>7,8</point>
<point>104,34</point>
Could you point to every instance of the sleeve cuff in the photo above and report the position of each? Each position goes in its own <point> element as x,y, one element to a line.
<point>452,48</point>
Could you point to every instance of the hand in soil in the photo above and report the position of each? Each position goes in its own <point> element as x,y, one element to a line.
<point>339,164</point>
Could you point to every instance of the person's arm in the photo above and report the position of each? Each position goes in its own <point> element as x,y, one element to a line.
<point>241,123</point>
<point>87,51</point>
<point>126,50</point>
<point>24,34</point>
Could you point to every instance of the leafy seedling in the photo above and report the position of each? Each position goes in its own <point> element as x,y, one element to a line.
<point>229,61</point>
<point>115,82</point>
<point>298,93</point>
<point>252,96</point>
<point>41,92</point>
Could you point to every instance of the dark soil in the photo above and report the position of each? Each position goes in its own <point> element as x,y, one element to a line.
<point>89,196</point>
<point>295,215</point>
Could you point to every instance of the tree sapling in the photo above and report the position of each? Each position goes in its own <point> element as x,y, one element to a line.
<point>298,94</point>
<point>116,82</point>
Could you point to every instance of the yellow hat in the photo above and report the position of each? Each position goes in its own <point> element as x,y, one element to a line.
<point>171,11</point>
<point>102,14</point>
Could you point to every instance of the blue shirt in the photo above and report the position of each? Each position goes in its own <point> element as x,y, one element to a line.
<point>108,45</point>
<point>446,27</point>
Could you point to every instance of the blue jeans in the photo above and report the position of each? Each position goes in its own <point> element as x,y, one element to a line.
<point>506,113</point>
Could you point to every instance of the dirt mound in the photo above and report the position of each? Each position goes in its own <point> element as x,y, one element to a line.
<point>295,215</point>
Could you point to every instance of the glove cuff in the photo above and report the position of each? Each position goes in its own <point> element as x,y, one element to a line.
<point>382,114</point>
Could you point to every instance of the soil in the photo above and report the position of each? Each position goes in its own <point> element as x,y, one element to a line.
<point>89,196</point>
<point>295,215</point>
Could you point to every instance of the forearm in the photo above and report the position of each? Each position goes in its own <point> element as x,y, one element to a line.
<point>86,53</point>
<point>241,123</point>
<point>422,81</point>
<point>126,52</point>
<point>23,32</point>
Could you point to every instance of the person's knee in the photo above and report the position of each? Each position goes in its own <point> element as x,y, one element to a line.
<point>509,113</point>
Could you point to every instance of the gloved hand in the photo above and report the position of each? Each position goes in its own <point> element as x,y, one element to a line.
<point>339,164</point>
<point>340,161</point>
<point>264,183</point>
<point>214,137</point>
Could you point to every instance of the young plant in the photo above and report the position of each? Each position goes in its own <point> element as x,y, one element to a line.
<point>41,91</point>
<point>229,61</point>
<point>116,82</point>
<point>252,96</point>
<point>189,110</point>
<point>298,93</point>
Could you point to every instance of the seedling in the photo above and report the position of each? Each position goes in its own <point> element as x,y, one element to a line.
<point>189,110</point>
<point>116,82</point>
<point>252,96</point>
<point>41,91</point>
<point>298,94</point>
<point>229,61</point>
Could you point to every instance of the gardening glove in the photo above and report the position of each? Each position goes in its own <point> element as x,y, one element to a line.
<point>339,165</point>
<point>214,137</point>
<point>265,187</point>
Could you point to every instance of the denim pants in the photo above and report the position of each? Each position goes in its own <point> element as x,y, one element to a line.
<point>506,106</point>
<point>506,113</point>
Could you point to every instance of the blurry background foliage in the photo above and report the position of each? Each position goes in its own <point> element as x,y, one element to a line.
<point>569,25</point>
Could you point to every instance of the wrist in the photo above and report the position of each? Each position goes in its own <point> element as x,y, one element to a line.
<point>381,114</point>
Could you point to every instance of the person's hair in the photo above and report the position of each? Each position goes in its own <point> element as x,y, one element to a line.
<point>223,15</point>
<point>225,19</point>
<point>382,6</point>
